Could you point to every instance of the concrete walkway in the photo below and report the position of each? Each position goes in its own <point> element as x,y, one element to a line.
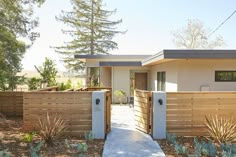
<point>125,141</point>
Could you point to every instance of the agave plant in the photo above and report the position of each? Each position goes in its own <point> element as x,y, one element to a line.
<point>51,128</point>
<point>221,130</point>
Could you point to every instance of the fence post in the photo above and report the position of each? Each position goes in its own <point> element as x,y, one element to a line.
<point>159,115</point>
<point>98,111</point>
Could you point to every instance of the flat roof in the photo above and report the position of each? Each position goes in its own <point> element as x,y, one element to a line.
<point>190,54</point>
<point>111,56</point>
<point>121,63</point>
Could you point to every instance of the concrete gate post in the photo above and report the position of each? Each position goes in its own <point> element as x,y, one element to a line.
<point>98,111</point>
<point>159,115</point>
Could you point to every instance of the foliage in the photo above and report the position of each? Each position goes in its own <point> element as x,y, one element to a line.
<point>120,94</point>
<point>61,86</point>
<point>89,136</point>
<point>204,148</point>
<point>34,83</point>
<point>81,147</point>
<point>35,151</point>
<point>28,137</point>
<point>180,149</point>
<point>221,130</point>
<point>16,20</point>
<point>48,72</point>
<point>51,128</point>
<point>171,138</point>
<point>5,153</point>
<point>68,84</point>
<point>195,35</point>
<point>79,84</point>
<point>229,148</point>
<point>91,29</point>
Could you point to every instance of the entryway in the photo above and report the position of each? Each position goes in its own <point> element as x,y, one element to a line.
<point>125,140</point>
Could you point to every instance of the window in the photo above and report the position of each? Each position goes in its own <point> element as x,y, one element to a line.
<point>93,77</point>
<point>225,76</point>
<point>161,81</point>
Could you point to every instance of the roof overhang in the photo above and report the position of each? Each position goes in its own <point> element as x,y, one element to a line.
<point>169,55</point>
<point>129,63</point>
<point>141,57</point>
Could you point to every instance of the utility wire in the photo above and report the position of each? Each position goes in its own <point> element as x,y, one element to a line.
<point>221,24</point>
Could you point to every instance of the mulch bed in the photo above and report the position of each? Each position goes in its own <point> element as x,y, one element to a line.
<point>188,142</point>
<point>11,138</point>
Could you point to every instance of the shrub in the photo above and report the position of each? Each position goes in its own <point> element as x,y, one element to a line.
<point>221,130</point>
<point>204,148</point>
<point>171,138</point>
<point>81,147</point>
<point>180,149</point>
<point>51,128</point>
<point>229,148</point>
<point>28,137</point>
<point>120,94</point>
<point>34,83</point>
<point>5,153</point>
<point>89,136</point>
<point>35,151</point>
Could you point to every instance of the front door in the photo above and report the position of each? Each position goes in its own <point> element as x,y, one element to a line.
<point>141,81</point>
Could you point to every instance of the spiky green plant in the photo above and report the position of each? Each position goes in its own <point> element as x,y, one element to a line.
<point>180,149</point>
<point>51,128</point>
<point>221,130</point>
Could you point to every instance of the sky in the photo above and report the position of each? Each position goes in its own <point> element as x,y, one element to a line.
<point>149,25</point>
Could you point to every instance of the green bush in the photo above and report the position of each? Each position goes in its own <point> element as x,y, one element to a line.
<point>171,138</point>
<point>34,83</point>
<point>28,137</point>
<point>120,94</point>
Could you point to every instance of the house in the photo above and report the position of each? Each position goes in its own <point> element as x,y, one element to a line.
<point>168,70</point>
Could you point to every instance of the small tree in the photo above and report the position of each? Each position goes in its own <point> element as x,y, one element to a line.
<point>48,72</point>
<point>195,35</point>
<point>34,83</point>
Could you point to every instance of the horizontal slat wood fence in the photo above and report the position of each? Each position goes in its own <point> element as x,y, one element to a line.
<point>142,104</point>
<point>11,103</point>
<point>186,110</point>
<point>73,107</point>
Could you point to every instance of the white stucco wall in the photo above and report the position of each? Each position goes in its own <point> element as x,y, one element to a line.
<point>121,78</point>
<point>171,75</point>
<point>196,73</point>
<point>191,75</point>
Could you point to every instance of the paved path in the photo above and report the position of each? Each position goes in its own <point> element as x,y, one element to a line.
<point>125,141</point>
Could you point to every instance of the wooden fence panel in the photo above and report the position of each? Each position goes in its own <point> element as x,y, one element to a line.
<point>186,111</point>
<point>11,103</point>
<point>142,108</point>
<point>108,112</point>
<point>73,107</point>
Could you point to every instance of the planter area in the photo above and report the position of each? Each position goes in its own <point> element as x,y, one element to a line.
<point>18,143</point>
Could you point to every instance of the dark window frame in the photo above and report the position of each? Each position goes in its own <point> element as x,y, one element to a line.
<point>217,79</point>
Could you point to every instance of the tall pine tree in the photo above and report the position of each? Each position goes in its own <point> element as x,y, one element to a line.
<point>91,30</point>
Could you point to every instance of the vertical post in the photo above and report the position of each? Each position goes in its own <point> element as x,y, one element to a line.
<point>98,111</point>
<point>159,115</point>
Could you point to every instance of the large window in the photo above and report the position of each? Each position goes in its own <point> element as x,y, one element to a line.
<point>93,77</point>
<point>225,76</point>
<point>161,81</point>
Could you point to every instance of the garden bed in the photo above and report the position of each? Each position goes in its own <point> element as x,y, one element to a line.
<point>188,142</point>
<point>12,138</point>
